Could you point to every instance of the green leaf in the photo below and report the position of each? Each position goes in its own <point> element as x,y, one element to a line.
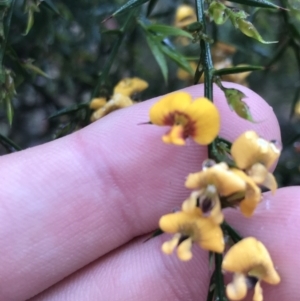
<point>234,70</point>
<point>11,145</point>
<point>151,6</point>
<point>234,99</point>
<point>166,31</point>
<point>30,21</point>
<point>177,57</point>
<point>116,32</point>
<point>127,7</point>
<point>69,110</point>
<point>49,4</point>
<point>258,3</point>
<point>156,49</point>
<point>9,110</point>
<point>29,66</point>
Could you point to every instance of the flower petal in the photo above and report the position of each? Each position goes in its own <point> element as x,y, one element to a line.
<point>249,149</point>
<point>175,135</point>
<point>206,119</point>
<point>129,86</point>
<point>252,194</point>
<point>162,111</point>
<point>211,237</point>
<point>97,103</point>
<point>118,101</point>
<point>250,257</point>
<point>261,176</point>
<point>219,175</point>
<point>169,246</point>
<point>237,289</point>
<point>258,293</point>
<point>184,252</point>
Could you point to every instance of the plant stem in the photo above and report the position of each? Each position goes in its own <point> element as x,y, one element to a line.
<point>205,54</point>
<point>236,237</point>
<point>219,280</point>
<point>103,77</point>
<point>207,63</point>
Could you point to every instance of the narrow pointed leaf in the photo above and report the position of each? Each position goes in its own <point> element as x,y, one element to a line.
<point>12,146</point>
<point>69,110</point>
<point>177,57</point>
<point>127,6</point>
<point>155,47</point>
<point>166,31</point>
<point>116,32</point>
<point>234,70</point>
<point>258,3</point>
<point>29,66</point>
<point>234,99</point>
<point>30,21</point>
<point>9,111</point>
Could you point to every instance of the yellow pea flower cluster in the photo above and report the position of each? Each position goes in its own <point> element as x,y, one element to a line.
<point>121,97</point>
<point>215,187</point>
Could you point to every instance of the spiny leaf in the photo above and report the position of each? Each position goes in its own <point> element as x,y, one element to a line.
<point>166,31</point>
<point>155,47</point>
<point>234,70</point>
<point>258,3</point>
<point>234,99</point>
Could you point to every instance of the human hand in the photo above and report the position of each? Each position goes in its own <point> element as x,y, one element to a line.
<point>74,213</point>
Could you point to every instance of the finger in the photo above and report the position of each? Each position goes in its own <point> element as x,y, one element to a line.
<point>66,203</point>
<point>141,272</point>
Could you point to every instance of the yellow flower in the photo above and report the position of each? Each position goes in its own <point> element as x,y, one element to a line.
<point>212,182</point>
<point>256,155</point>
<point>118,101</point>
<point>199,119</point>
<point>129,86</point>
<point>97,103</point>
<point>190,228</point>
<point>185,15</point>
<point>251,263</point>
<point>252,196</point>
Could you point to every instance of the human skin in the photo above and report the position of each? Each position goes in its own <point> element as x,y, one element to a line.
<point>75,213</point>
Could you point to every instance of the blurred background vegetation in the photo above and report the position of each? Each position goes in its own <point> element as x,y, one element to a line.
<point>53,53</point>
